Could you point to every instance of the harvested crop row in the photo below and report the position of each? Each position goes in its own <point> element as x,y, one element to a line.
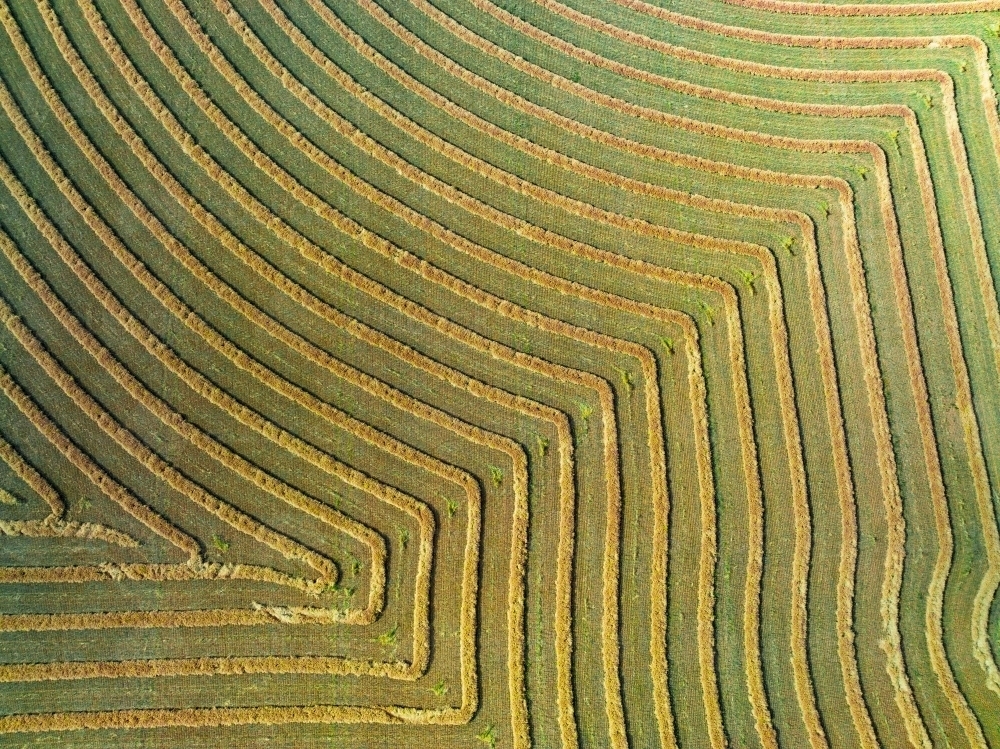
<point>828,370</point>
<point>706,493</point>
<point>800,547</point>
<point>611,541</point>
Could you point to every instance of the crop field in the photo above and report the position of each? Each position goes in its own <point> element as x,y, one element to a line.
<point>578,374</point>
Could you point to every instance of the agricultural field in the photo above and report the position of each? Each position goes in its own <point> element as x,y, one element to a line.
<point>580,374</point>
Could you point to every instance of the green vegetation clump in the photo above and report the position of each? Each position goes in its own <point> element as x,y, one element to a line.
<point>586,411</point>
<point>543,444</point>
<point>496,476</point>
<point>625,377</point>
<point>389,638</point>
<point>708,311</point>
<point>488,736</point>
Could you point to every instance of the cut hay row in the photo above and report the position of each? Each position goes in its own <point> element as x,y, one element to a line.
<point>54,525</point>
<point>865,9</point>
<point>51,528</point>
<point>513,275</point>
<point>983,274</point>
<point>257,159</point>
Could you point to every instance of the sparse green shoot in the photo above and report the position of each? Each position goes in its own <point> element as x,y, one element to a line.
<point>488,736</point>
<point>344,595</point>
<point>220,543</point>
<point>928,101</point>
<point>440,689</point>
<point>626,379</point>
<point>389,638</point>
<point>994,28</point>
<point>496,476</point>
<point>825,207</point>
<point>749,277</point>
<point>708,311</point>
<point>586,411</point>
<point>964,66</point>
<point>543,444</point>
<point>668,344</point>
<point>452,508</point>
<point>522,343</point>
<point>355,564</point>
<point>894,137</point>
<point>862,171</point>
<point>404,537</point>
<point>788,242</point>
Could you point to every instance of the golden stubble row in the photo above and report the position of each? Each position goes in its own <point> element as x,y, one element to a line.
<point>53,525</point>
<point>467,631</point>
<point>893,565</point>
<point>313,53</point>
<point>468,483</point>
<point>870,10</point>
<point>612,541</point>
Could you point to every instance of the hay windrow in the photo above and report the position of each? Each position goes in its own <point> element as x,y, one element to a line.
<point>522,374</point>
